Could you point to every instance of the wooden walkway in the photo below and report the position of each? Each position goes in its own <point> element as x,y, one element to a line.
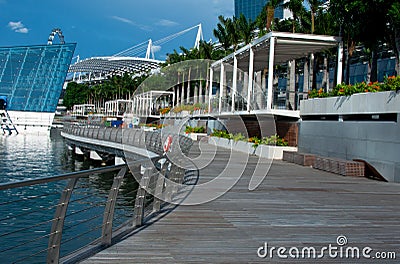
<point>295,206</point>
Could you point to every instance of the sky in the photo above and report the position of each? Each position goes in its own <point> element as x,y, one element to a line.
<point>106,27</point>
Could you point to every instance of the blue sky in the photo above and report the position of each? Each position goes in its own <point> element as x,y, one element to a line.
<point>105,27</point>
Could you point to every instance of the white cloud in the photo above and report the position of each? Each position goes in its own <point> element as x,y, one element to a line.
<point>125,20</point>
<point>23,30</point>
<point>133,23</point>
<point>18,27</point>
<point>167,23</point>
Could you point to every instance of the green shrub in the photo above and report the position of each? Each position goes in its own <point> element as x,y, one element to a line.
<point>255,140</point>
<point>221,134</point>
<point>274,140</point>
<point>190,129</point>
<point>238,137</point>
<point>392,83</point>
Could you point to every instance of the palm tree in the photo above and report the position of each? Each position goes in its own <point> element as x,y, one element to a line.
<point>314,6</point>
<point>297,9</point>
<point>245,28</point>
<point>270,7</point>
<point>222,33</point>
<point>394,32</point>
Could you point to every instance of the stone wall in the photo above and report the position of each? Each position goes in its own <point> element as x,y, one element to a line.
<point>362,126</point>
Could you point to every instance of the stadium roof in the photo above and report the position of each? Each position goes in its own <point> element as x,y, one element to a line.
<point>101,67</point>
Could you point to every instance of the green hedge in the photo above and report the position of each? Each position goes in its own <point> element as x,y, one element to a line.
<point>390,84</point>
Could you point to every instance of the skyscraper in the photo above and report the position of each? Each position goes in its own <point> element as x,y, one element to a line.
<point>252,8</point>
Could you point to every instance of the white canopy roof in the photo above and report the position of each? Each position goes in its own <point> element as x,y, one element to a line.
<point>288,46</point>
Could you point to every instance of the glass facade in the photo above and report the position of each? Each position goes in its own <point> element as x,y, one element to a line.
<point>32,77</point>
<point>252,8</point>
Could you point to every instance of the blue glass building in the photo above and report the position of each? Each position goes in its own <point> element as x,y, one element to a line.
<point>32,77</point>
<point>252,8</point>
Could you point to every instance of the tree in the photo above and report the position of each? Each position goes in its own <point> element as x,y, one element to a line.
<point>75,94</point>
<point>314,7</point>
<point>270,8</point>
<point>244,28</point>
<point>297,9</point>
<point>223,33</point>
<point>393,18</point>
<point>364,22</point>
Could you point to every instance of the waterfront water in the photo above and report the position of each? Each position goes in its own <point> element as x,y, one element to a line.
<point>31,156</point>
<point>26,213</point>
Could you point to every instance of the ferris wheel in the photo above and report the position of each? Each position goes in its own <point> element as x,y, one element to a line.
<point>54,32</point>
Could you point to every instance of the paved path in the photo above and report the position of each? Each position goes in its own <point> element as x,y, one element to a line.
<point>295,206</point>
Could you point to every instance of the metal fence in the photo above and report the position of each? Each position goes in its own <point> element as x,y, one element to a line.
<point>69,217</point>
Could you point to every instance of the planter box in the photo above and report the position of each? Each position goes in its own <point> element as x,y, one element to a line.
<point>272,152</point>
<point>269,152</point>
<point>362,103</point>
<point>220,142</point>
<point>243,147</point>
<point>197,136</point>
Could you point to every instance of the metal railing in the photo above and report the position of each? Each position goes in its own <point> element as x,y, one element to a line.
<point>69,217</point>
<point>150,140</point>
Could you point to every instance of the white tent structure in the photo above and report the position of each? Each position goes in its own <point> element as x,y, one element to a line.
<point>257,60</point>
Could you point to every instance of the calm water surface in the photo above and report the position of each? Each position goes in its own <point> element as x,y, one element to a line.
<point>31,156</point>
<point>25,212</point>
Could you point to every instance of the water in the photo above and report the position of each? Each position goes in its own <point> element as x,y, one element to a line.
<point>26,157</point>
<point>25,213</point>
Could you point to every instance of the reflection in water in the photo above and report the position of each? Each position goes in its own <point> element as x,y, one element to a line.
<point>26,213</point>
<point>25,157</point>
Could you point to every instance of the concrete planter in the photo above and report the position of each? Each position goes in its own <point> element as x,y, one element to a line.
<point>367,128</point>
<point>244,147</point>
<point>197,136</point>
<point>272,152</point>
<point>220,142</point>
<point>362,103</point>
<point>269,152</point>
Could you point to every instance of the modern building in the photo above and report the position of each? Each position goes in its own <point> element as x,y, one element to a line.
<point>252,8</point>
<point>32,78</point>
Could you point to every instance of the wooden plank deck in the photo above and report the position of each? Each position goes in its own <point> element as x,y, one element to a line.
<point>295,206</point>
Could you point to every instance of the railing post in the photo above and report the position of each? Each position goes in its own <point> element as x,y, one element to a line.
<point>110,208</point>
<point>53,251</point>
<point>160,186</point>
<point>141,197</point>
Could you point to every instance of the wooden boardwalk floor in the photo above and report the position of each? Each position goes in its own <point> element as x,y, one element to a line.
<point>295,206</point>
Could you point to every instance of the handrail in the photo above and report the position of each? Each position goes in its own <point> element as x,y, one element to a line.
<point>152,186</point>
<point>66,176</point>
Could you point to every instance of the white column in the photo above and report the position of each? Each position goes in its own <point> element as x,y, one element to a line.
<point>234,85</point>
<point>221,87</point>
<point>250,84</point>
<point>210,89</point>
<point>339,79</point>
<point>182,88</point>
<point>271,72</point>
<point>200,97</point>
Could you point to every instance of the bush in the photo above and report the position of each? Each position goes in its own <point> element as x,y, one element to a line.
<point>190,129</point>
<point>391,83</point>
<point>274,140</point>
<point>238,137</point>
<point>222,134</point>
<point>255,140</point>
